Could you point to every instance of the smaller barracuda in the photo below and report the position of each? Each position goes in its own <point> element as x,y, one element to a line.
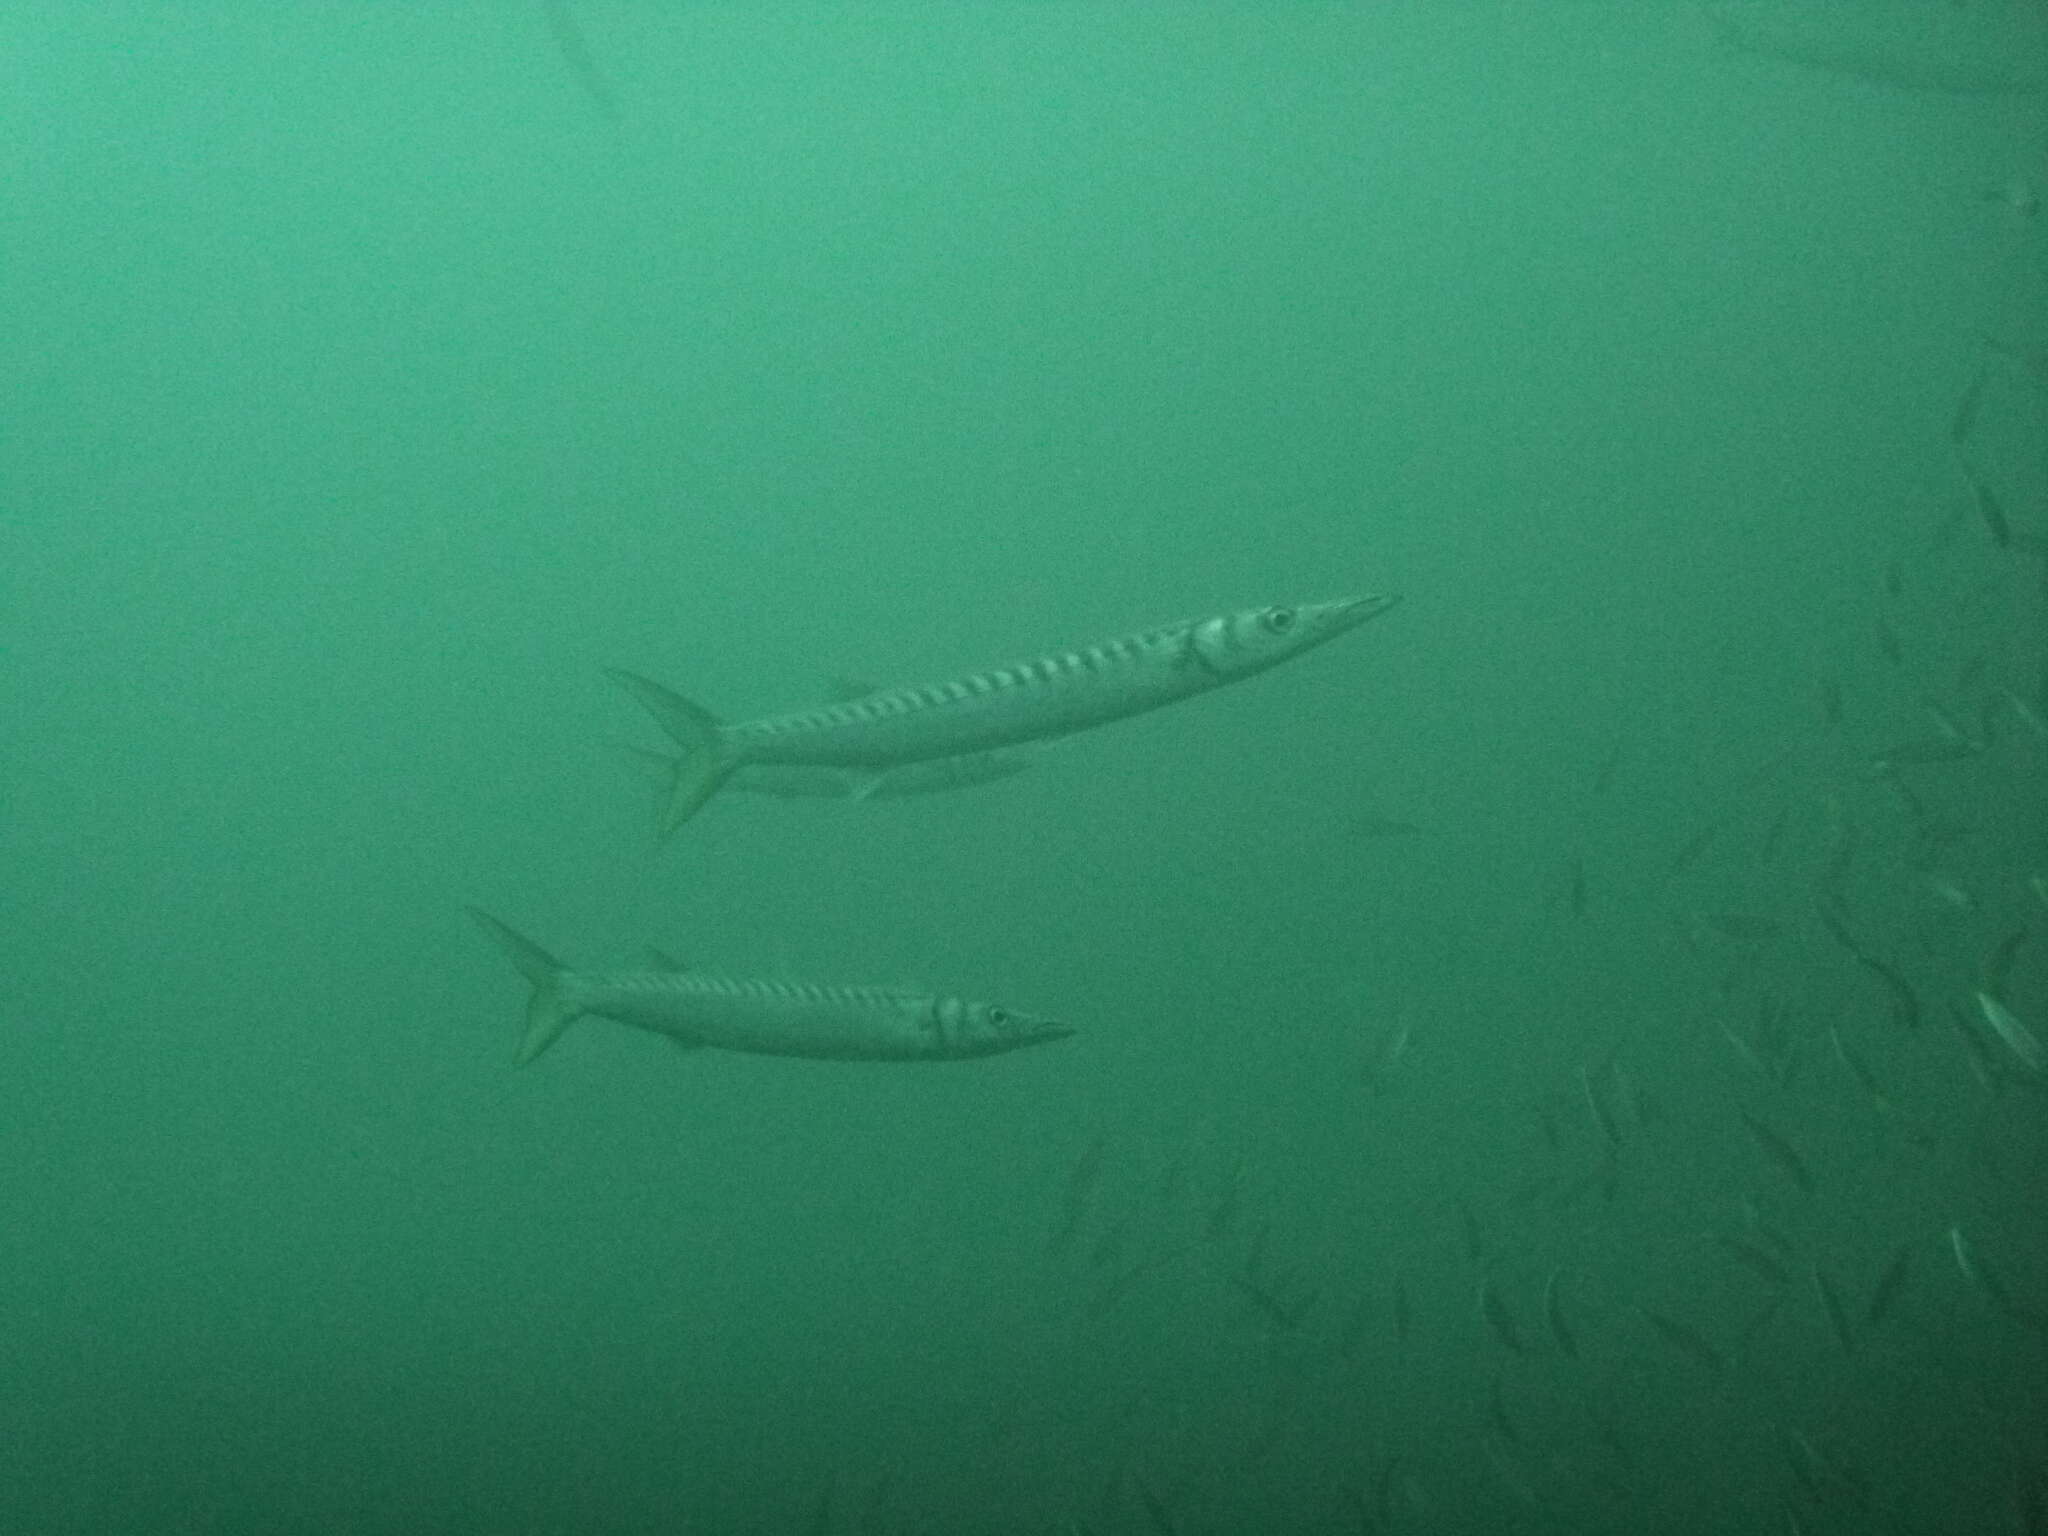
<point>1037,700</point>
<point>939,776</point>
<point>766,1018</point>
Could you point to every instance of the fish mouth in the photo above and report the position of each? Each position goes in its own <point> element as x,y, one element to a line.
<point>1348,612</point>
<point>1043,1032</point>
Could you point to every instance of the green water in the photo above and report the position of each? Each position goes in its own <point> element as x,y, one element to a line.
<point>368,388</point>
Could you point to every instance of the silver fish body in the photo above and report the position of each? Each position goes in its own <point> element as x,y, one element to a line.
<point>1037,700</point>
<point>937,776</point>
<point>2024,1044</point>
<point>769,1018</point>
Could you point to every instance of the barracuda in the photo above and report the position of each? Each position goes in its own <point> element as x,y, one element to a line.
<point>1036,700</point>
<point>765,1018</point>
<point>938,776</point>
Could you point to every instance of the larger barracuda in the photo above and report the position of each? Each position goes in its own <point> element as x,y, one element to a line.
<point>1035,700</point>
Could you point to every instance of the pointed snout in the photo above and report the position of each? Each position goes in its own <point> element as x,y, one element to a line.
<point>1350,612</point>
<point>1039,1032</point>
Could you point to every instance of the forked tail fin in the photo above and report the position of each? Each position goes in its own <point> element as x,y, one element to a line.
<point>704,763</point>
<point>547,1012</point>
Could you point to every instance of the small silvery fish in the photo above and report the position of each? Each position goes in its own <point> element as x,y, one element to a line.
<point>1037,700</point>
<point>1927,749</point>
<point>1989,510</point>
<point>1553,1314</point>
<point>1388,1054</point>
<point>1499,1319</point>
<point>1757,1258</point>
<point>575,52</point>
<point>769,1018</point>
<point>1779,1151</point>
<point>1966,1256</point>
<point>1837,1314</point>
<point>2020,1040</point>
<point>1596,1103</point>
<point>1965,419</point>
<point>1987,1282</point>
<point>1686,1340</point>
<point>2026,712</point>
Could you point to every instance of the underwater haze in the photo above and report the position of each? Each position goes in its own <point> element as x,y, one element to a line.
<point>1563,1058</point>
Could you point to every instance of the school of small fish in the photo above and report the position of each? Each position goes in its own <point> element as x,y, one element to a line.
<point>1851,1123</point>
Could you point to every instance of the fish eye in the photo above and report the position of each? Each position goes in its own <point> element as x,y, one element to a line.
<point>998,1017</point>
<point>1277,620</point>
